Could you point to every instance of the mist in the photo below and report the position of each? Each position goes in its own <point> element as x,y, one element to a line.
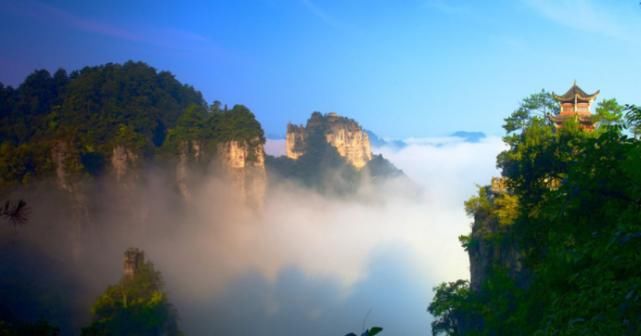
<point>305,263</point>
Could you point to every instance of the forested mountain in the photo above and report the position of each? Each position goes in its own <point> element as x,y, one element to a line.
<point>92,118</point>
<point>111,155</point>
<point>97,109</point>
<point>554,248</point>
<point>330,153</point>
<point>77,147</point>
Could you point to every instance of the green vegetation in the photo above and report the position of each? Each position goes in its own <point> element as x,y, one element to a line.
<point>97,108</point>
<point>321,167</point>
<point>137,305</point>
<point>369,332</point>
<point>556,251</point>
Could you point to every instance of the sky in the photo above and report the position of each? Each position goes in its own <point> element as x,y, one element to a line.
<point>410,68</point>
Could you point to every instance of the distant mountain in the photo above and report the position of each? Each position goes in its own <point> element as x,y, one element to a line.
<point>377,141</point>
<point>331,153</point>
<point>374,139</point>
<point>472,137</point>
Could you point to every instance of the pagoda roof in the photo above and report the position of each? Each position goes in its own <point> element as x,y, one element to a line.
<point>575,92</point>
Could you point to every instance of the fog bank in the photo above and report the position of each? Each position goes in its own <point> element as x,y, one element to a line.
<point>305,263</point>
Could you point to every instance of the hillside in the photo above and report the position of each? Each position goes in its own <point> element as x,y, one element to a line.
<point>555,240</point>
<point>330,153</point>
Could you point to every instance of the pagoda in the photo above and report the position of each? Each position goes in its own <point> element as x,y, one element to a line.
<point>575,105</point>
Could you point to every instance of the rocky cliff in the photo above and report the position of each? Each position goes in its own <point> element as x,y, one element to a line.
<point>244,164</point>
<point>123,165</point>
<point>491,245</point>
<point>294,141</point>
<point>344,134</point>
<point>65,163</point>
<point>189,152</point>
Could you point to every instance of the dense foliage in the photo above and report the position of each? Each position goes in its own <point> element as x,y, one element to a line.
<point>95,109</point>
<point>137,305</point>
<point>369,332</point>
<point>571,214</point>
<point>321,166</point>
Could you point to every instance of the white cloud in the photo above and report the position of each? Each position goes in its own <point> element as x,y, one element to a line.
<point>447,168</point>
<point>327,259</point>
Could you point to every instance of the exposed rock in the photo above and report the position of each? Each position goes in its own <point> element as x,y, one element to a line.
<point>491,245</point>
<point>62,157</point>
<point>189,152</point>
<point>349,139</point>
<point>133,261</point>
<point>486,254</point>
<point>68,169</point>
<point>351,142</point>
<point>244,163</point>
<point>294,141</point>
<point>123,161</point>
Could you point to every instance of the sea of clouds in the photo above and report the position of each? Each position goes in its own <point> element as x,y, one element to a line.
<point>384,257</point>
<point>306,263</point>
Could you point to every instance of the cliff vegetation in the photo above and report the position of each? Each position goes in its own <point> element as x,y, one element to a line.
<point>554,243</point>
<point>78,124</point>
<point>330,153</point>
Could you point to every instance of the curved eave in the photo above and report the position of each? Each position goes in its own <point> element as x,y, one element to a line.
<point>577,93</point>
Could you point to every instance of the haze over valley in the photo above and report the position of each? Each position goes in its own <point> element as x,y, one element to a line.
<point>308,167</point>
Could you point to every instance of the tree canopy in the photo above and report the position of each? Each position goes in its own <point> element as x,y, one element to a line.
<point>94,109</point>
<point>570,215</point>
<point>136,306</point>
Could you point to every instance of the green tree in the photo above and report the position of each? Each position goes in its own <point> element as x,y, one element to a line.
<point>609,113</point>
<point>633,119</point>
<point>450,305</point>
<point>567,263</point>
<point>137,305</point>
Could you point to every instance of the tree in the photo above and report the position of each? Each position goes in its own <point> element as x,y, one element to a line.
<point>137,305</point>
<point>449,307</point>
<point>538,106</point>
<point>15,212</point>
<point>633,119</point>
<point>567,262</point>
<point>609,113</point>
<point>369,332</point>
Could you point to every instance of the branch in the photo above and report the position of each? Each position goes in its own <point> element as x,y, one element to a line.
<point>15,212</point>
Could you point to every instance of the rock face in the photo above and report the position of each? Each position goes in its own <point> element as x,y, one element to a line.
<point>485,254</point>
<point>491,247</point>
<point>349,139</point>
<point>244,163</point>
<point>133,261</point>
<point>63,160</point>
<point>123,161</point>
<point>188,152</point>
<point>68,168</point>
<point>294,141</point>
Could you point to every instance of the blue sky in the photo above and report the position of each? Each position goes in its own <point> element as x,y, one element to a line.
<point>401,68</point>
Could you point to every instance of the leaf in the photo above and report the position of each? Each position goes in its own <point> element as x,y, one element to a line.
<point>374,330</point>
